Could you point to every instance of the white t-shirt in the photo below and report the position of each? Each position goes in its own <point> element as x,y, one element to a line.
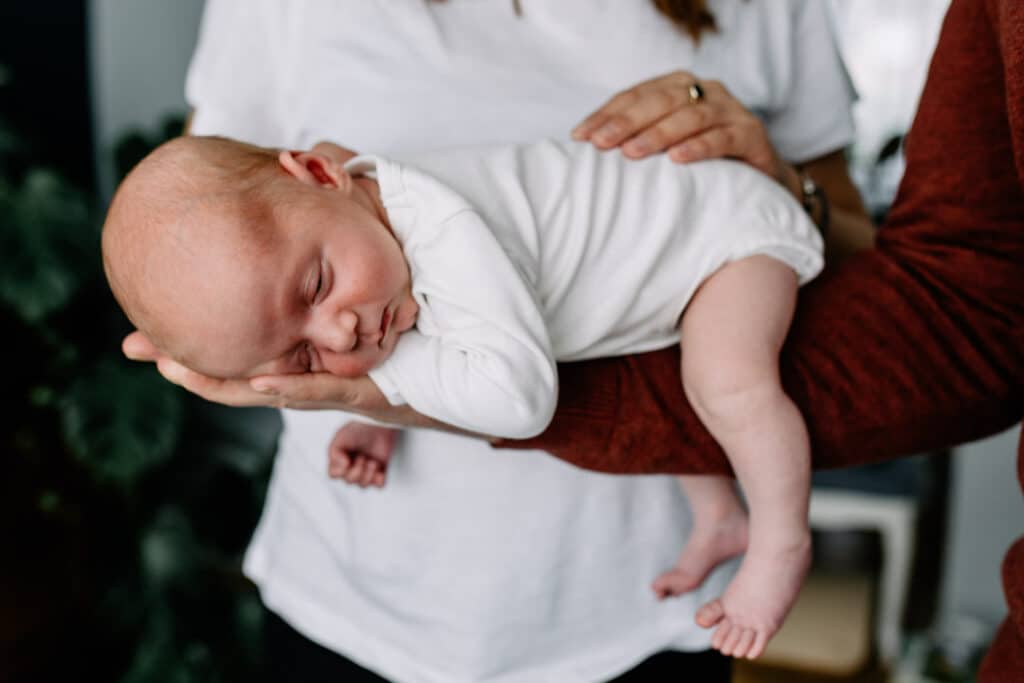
<point>524,254</point>
<point>473,565</point>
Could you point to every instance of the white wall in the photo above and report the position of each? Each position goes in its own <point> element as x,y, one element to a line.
<point>139,52</point>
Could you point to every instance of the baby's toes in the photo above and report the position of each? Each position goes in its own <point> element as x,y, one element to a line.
<point>760,641</point>
<point>744,643</point>
<point>732,640</point>
<point>667,585</point>
<point>725,627</point>
<point>710,614</point>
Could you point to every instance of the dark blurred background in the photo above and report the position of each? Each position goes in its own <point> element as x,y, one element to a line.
<point>126,504</point>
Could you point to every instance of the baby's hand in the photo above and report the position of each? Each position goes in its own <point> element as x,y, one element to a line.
<point>360,452</point>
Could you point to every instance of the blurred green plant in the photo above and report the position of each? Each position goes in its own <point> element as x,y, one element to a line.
<point>130,501</point>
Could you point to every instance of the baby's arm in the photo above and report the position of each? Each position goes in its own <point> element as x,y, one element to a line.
<point>479,358</point>
<point>360,452</point>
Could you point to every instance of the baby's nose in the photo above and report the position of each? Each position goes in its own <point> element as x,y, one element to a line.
<point>338,333</point>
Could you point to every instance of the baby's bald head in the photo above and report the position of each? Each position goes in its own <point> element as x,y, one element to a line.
<point>184,229</point>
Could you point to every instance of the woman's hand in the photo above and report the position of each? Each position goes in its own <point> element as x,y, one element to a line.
<point>315,391</point>
<point>660,115</point>
<point>310,391</point>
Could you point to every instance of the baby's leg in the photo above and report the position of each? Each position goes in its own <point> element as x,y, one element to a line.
<point>719,532</point>
<point>732,332</point>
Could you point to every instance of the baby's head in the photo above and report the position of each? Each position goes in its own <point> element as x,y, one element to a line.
<point>238,261</point>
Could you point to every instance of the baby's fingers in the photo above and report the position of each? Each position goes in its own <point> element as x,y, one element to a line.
<point>365,471</point>
<point>370,473</point>
<point>355,472</point>
<point>338,464</point>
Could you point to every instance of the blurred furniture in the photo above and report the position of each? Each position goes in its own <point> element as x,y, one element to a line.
<point>855,597</point>
<point>894,518</point>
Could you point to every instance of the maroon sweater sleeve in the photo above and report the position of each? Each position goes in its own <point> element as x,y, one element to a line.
<point>914,345</point>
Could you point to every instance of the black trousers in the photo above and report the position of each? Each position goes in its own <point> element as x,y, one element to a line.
<point>292,658</point>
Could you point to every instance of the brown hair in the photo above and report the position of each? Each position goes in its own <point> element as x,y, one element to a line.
<point>692,16</point>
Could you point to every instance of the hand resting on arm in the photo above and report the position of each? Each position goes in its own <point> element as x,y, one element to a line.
<point>659,116</point>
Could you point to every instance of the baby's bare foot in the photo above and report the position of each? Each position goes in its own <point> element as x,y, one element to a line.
<point>757,600</point>
<point>709,544</point>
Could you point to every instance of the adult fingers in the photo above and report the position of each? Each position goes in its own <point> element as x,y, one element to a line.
<point>648,109</point>
<point>230,392</point>
<point>670,130</point>
<point>634,109</point>
<point>316,391</point>
<point>736,141</point>
<point>137,346</point>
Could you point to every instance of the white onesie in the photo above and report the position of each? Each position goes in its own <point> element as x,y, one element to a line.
<point>522,255</point>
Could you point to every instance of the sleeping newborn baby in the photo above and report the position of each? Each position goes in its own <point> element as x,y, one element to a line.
<point>458,279</point>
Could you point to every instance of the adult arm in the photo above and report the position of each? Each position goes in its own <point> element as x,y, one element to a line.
<point>913,345</point>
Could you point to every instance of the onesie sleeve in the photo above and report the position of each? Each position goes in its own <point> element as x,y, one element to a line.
<point>479,358</point>
<point>234,82</point>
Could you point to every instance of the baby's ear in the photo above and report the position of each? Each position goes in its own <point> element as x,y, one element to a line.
<point>315,168</point>
<point>332,151</point>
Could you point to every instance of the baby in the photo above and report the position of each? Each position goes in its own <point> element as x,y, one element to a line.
<point>457,280</point>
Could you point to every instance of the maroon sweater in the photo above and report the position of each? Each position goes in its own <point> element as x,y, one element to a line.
<point>912,346</point>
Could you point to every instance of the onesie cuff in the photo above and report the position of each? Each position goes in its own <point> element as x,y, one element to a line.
<point>387,387</point>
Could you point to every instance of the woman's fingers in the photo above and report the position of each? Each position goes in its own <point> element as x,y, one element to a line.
<point>669,130</point>
<point>660,114</point>
<point>230,392</point>
<point>319,390</point>
<point>734,141</point>
<point>647,110</point>
<point>311,391</point>
<point>635,109</point>
<point>137,346</point>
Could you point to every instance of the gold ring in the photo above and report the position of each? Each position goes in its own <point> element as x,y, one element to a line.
<point>696,93</point>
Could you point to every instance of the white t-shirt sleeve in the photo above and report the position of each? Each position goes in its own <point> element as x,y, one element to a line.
<point>816,116</point>
<point>235,76</point>
<point>480,358</point>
